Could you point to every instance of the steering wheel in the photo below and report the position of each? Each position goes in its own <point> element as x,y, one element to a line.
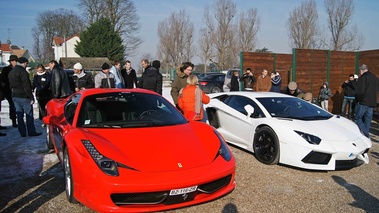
<point>147,112</point>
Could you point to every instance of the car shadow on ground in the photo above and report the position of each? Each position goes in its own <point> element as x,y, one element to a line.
<point>28,194</point>
<point>363,200</point>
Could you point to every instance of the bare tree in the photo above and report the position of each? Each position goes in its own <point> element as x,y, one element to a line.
<point>123,16</point>
<point>248,26</point>
<point>204,46</point>
<point>303,27</point>
<point>60,22</point>
<point>176,35</point>
<point>219,23</point>
<point>344,36</point>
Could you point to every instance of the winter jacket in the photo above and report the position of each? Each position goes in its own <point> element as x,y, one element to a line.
<point>151,79</point>
<point>41,85</point>
<point>130,77</point>
<point>248,81</point>
<point>5,80</point>
<point>234,84</point>
<point>104,80</point>
<point>119,80</point>
<point>83,80</point>
<point>325,93</point>
<point>276,83</point>
<point>190,97</point>
<point>179,82</point>
<point>366,89</point>
<point>19,83</point>
<point>349,88</point>
<point>59,85</point>
<point>263,84</point>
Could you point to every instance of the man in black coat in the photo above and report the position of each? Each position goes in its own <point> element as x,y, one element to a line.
<point>151,78</point>
<point>59,85</point>
<point>129,75</point>
<point>23,98</point>
<point>7,90</point>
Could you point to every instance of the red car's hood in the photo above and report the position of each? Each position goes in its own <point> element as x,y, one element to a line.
<point>159,148</point>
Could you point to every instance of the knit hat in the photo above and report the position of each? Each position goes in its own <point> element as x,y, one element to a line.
<point>105,66</point>
<point>78,66</point>
<point>157,64</point>
<point>22,60</point>
<point>292,85</point>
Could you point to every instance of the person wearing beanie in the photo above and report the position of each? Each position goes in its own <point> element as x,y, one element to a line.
<point>7,90</point>
<point>23,98</point>
<point>151,78</point>
<point>82,79</point>
<point>105,79</point>
<point>59,85</point>
<point>180,80</point>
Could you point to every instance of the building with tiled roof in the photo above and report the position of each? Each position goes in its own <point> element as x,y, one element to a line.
<point>65,47</point>
<point>6,50</point>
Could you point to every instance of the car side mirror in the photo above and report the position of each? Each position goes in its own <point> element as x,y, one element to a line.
<point>249,109</point>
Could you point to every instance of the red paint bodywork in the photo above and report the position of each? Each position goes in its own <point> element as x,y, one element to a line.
<point>154,152</point>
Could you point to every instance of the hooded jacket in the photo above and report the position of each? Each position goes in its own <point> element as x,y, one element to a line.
<point>151,79</point>
<point>179,82</point>
<point>325,93</point>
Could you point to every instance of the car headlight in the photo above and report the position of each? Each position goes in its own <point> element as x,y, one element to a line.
<point>108,166</point>
<point>223,150</point>
<point>312,139</point>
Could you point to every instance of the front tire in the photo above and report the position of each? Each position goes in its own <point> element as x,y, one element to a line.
<point>69,181</point>
<point>266,146</point>
<point>49,143</point>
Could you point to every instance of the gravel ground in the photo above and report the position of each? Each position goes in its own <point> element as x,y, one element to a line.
<point>31,180</point>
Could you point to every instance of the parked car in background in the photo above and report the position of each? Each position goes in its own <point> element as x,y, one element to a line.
<point>211,82</point>
<point>228,78</point>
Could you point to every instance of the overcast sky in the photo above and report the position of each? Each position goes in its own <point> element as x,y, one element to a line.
<point>18,18</point>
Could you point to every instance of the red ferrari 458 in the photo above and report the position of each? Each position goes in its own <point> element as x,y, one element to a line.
<point>131,150</point>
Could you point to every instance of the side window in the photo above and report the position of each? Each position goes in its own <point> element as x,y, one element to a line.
<point>70,108</point>
<point>239,102</point>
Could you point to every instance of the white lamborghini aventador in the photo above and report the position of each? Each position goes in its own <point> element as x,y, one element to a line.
<point>283,129</point>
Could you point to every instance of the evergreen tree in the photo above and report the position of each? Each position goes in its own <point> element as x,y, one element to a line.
<point>101,40</point>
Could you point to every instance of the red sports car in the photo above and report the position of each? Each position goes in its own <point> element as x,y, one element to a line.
<point>129,150</point>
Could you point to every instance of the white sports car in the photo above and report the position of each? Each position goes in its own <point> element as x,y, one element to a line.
<point>279,128</point>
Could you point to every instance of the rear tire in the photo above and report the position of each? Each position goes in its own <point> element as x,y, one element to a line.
<point>215,89</point>
<point>266,146</point>
<point>69,181</point>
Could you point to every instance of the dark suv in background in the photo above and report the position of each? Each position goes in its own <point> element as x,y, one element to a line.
<point>211,82</point>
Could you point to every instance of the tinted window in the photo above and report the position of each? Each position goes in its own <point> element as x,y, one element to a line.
<point>70,107</point>
<point>239,102</point>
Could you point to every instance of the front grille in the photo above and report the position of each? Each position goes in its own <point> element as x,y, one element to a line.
<point>317,158</point>
<point>215,185</point>
<point>139,198</point>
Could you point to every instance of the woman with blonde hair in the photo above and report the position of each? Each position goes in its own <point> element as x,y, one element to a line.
<point>191,99</point>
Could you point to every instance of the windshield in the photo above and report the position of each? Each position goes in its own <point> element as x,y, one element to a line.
<point>126,110</point>
<point>294,108</point>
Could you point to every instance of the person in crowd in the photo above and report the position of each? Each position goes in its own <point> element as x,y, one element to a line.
<point>115,70</point>
<point>59,85</point>
<point>293,90</point>
<point>307,97</point>
<point>82,79</point>
<point>180,81</point>
<point>234,83</point>
<point>263,82</point>
<point>151,78</point>
<point>7,90</point>
<point>276,82</point>
<point>248,80</point>
<point>348,96</point>
<point>366,99</point>
<point>1,99</point>
<point>23,98</point>
<point>191,99</point>
<point>41,86</point>
<point>325,94</point>
<point>129,75</point>
<point>105,79</point>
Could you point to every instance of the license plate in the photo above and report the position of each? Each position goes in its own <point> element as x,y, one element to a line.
<point>183,190</point>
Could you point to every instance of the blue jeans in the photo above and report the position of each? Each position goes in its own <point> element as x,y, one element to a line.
<point>363,117</point>
<point>347,101</point>
<point>23,106</point>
